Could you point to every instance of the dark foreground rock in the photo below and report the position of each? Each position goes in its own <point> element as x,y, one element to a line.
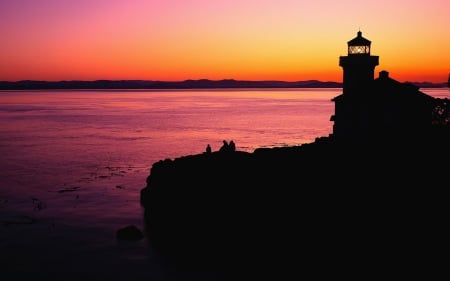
<point>317,211</point>
<point>129,232</point>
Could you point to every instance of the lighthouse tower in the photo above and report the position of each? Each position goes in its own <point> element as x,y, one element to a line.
<point>358,65</point>
<point>351,118</point>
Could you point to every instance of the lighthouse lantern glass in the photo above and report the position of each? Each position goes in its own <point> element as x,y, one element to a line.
<point>358,50</point>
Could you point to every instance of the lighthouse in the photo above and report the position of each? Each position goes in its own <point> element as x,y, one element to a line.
<point>358,65</point>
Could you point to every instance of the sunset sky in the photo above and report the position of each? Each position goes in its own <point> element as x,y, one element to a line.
<point>214,39</point>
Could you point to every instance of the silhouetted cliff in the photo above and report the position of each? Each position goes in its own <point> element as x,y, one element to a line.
<point>324,209</point>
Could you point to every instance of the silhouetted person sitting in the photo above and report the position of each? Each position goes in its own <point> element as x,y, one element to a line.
<point>232,146</point>
<point>224,147</point>
<point>208,149</point>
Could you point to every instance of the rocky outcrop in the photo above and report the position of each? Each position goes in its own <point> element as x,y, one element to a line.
<point>130,232</point>
<point>323,208</point>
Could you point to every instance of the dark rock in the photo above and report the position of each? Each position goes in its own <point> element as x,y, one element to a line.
<point>130,232</point>
<point>297,210</point>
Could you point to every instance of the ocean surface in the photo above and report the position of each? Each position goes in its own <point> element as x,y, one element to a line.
<point>73,163</point>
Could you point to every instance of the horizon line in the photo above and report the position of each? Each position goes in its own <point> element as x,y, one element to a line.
<point>195,80</point>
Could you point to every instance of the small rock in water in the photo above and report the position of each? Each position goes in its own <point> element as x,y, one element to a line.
<point>130,232</point>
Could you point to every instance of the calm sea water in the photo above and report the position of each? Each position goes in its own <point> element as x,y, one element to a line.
<point>73,163</point>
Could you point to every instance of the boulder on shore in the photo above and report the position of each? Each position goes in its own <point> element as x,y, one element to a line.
<point>129,232</point>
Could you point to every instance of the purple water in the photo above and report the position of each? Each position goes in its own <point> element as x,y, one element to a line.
<point>73,163</point>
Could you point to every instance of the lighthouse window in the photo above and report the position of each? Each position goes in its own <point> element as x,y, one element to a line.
<point>358,49</point>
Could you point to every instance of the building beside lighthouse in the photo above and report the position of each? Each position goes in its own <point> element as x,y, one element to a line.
<point>377,109</point>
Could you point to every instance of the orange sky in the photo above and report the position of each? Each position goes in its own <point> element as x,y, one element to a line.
<point>241,39</point>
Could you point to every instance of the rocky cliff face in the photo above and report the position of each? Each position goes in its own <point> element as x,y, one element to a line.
<point>322,209</point>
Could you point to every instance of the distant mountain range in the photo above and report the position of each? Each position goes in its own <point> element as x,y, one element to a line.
<point>186,84</point>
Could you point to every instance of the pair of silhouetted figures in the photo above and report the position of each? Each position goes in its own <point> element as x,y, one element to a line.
<point>228,146</point>
<point>225,147</point>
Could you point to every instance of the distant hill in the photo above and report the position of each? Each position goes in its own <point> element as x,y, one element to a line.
<point>429,84</point>
<point>150,84</point>
<point>186,84</point>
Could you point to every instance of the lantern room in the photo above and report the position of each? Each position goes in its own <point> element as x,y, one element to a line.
<point>359,45</point>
